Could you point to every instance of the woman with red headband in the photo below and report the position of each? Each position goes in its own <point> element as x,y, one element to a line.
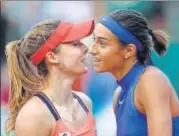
<point>43,67</point>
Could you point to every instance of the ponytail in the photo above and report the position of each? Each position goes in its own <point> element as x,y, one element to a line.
<point>23,79</point>
<point>160,40</point>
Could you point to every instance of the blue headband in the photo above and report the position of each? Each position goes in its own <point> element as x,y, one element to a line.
<point>123,34</point>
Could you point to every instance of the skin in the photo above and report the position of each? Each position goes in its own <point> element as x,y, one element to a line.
<point>110,56</point>
<point>34,119</point>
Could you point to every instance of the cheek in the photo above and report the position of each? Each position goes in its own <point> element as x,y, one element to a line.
<point>111,60</point>
<point>70,58</point>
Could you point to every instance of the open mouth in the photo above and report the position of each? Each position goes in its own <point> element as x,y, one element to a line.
<point>84,60</point>
<point>96,60</point>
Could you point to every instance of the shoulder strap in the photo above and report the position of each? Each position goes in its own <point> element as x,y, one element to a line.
<point>81,102</point>
<point>49,104</point>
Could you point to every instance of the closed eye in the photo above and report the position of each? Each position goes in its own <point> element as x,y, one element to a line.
<point>102,43</point>
<point>76,43</point>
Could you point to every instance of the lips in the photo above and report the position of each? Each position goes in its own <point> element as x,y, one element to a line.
<point>96,60</point>
<point>83,60</point>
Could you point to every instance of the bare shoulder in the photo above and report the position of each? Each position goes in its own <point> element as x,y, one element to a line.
<point>154,81</point>
<point>154,76</point>
<point>32,108</point>
<point>33,115</point>
<point>87,101</point>
<point>154,70</point>
<point>116,95</point>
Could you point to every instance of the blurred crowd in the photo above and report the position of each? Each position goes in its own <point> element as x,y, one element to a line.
<point>17,17</point>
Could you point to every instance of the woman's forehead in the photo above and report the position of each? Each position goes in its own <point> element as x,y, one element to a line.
<point>103,32</point>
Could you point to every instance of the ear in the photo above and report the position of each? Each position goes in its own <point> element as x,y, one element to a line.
<point>51,58</point>
<point>130,50</point>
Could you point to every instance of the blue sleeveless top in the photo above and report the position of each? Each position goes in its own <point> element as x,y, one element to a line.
<point>130,121</point>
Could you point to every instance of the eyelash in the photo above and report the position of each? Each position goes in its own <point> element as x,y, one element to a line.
<point>103,44</point>
<point>94,38</point>
<point>76,44</point>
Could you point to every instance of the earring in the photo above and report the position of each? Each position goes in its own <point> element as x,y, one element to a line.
<point>125,57</point>
<point>61,66</point>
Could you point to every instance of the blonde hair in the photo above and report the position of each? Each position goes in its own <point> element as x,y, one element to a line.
<point>25,78</point>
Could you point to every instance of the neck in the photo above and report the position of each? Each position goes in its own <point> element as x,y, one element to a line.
<point>121,71</point>
<point>59,87</point>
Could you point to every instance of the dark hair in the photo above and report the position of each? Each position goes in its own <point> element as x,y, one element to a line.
<point>24,76</point>
<point>137,24</point>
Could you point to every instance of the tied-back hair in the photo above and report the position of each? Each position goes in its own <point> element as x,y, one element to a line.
<point>137,24</point>
<point>25,78</point>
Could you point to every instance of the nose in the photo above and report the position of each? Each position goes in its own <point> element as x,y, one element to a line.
<point>84,49</point>
<point>92,49</point>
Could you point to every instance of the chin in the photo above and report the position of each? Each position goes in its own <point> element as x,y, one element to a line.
<point>99,70</point>
<point>81,72</point>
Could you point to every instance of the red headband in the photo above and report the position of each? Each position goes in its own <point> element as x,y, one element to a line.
<point>65,32</point>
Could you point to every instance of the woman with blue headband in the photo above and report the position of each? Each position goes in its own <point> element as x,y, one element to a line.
<point>145,103</point>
